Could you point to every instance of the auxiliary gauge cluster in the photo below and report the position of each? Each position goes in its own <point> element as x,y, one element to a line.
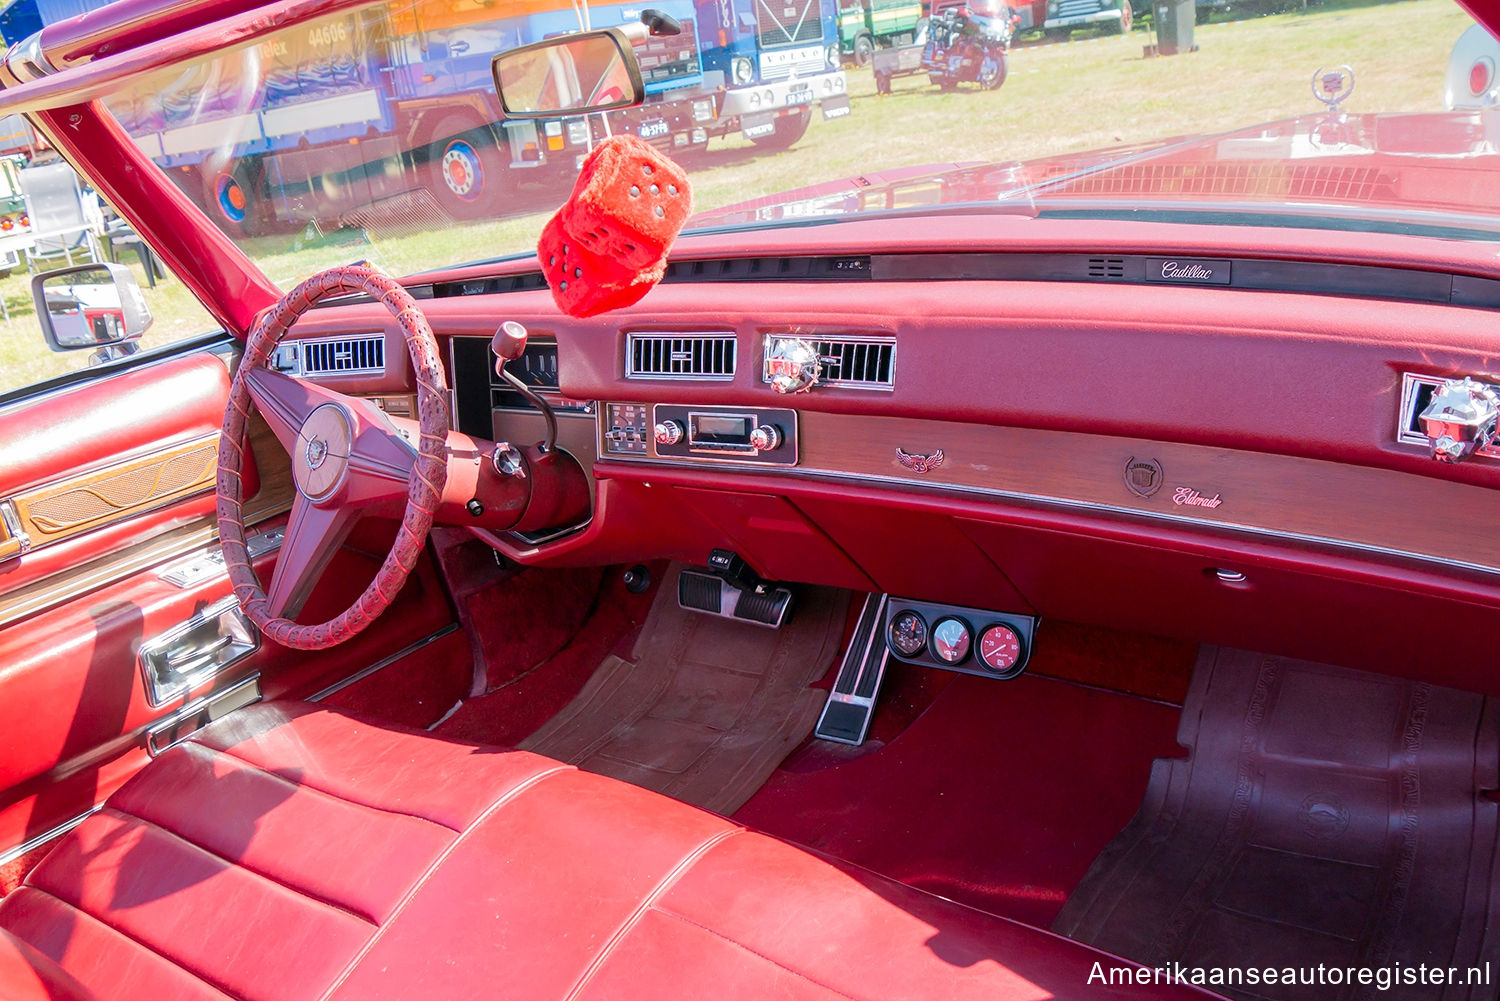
<point>971,640</point>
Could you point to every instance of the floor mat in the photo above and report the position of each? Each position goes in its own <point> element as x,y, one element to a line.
<point>705,708</point>
<point>1324,817</point>
<point>998,796</point>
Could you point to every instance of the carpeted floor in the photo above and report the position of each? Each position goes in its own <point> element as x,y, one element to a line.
<point>999,795</point>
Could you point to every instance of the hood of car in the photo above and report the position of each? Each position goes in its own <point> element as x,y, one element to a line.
<point>1386,167</point>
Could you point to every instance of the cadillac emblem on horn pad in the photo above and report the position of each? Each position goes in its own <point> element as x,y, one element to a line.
<point>1143,477</point>
<point>919,463</point>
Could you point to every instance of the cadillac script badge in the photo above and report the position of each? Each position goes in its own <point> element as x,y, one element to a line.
<point>919,463</point>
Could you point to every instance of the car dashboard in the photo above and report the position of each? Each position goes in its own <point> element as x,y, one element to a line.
<point>1212,444</point>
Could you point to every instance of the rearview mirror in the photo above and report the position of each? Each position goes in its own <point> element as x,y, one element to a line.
<point>569,75</point>
<point>89,306</point>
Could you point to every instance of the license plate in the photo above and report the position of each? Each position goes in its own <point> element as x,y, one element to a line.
<point>799,97</point>
<point>652,129</point>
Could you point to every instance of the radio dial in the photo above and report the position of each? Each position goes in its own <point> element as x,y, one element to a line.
<point>766,438</point>
<point>669,432</point>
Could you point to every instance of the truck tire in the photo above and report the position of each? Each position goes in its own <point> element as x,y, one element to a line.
<point>864,49</point>
<point>466,170</point>
<point>789,128</point>
<point>1126,21</point>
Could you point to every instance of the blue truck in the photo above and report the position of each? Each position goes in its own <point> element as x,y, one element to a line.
<point>395,105</point>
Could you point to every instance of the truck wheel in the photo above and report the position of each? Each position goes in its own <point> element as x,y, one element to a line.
<point>233,198</point>
<point>864,49</point>
<point>789,128</point>
<point>992,71</point>
<point>1127,19</point>
<point>466,170</point>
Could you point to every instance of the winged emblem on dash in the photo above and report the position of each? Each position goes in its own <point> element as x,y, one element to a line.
<point>919,463</point>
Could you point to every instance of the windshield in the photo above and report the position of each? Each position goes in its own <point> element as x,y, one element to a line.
<point>377,135</point>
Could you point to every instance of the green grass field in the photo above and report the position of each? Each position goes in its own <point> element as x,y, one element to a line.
<point>1058,98</point>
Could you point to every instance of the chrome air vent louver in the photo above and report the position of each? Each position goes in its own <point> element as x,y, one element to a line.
<point>708,356</point>
<point>360,354</point>
<point>847,362</point>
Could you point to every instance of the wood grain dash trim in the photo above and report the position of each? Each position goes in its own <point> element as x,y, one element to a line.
<point>1310,499</point>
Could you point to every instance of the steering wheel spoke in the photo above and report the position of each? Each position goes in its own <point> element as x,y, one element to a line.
<point>313,535</point>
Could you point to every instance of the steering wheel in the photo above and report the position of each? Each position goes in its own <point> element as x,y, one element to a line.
<point>347,459</point>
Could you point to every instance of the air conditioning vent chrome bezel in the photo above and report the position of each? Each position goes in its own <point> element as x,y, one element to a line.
<point>827,345</point>
<point>703,356</point>
<point>1416,391</point>
<point>311,357</point>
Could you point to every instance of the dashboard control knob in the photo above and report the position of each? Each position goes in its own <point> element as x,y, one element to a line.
<point>766,438</point>
<point>669,432</point>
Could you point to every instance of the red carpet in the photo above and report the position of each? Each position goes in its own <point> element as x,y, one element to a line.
<point>999,796</point>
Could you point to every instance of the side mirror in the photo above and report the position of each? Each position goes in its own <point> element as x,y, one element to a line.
<point>89,306</point>
<point>570,75</point>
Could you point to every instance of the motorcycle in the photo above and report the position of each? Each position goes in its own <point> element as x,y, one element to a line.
<point>967,47</point>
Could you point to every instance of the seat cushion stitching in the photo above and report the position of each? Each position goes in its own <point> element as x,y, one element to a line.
<point>421,881</point>
<point>201,978</point>
<point>241,865</point>
<point>662,886</point>
<point>303,784</point>
<point>754,952</point>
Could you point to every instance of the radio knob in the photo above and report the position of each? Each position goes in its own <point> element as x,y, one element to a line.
<point>669,432</point>
<point>766,438</point>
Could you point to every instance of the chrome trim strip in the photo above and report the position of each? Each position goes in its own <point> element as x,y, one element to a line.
<point>204,703</point>
<point>936,490</point>
<point>28,60</point>
<point>32,844</point>
<point>384,662</point>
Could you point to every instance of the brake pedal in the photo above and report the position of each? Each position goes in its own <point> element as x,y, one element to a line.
<point>850,706</point>
<point>730,589</point>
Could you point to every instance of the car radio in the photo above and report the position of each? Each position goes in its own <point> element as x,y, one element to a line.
<point>712,434</point>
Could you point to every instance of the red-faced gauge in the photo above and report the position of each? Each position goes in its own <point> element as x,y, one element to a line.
<point>951,639</point>
<point>999,648</point>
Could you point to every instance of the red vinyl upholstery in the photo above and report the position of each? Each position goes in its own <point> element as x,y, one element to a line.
<point>295,852</point>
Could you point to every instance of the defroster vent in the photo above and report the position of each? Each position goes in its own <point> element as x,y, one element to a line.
<point>709,356</point>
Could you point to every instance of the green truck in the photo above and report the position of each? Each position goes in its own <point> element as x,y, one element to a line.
<point>865,25</point>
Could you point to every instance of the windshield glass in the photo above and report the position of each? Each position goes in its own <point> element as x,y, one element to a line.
<point>377,134</point>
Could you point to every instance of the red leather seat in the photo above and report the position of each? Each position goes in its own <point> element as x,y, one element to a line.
<point>293,852</point>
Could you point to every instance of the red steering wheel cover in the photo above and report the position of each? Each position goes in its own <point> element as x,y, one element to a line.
<point>429,473</point>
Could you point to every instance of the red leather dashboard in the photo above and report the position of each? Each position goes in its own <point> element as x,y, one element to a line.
<point>1282,405</point>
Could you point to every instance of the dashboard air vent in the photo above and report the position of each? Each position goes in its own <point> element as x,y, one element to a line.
<point>680,356</point>
<point>1106,267</point>
<point>863,362</point>
<point>360,354</point>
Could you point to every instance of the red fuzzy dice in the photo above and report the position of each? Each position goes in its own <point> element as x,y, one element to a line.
<point>607,246</point>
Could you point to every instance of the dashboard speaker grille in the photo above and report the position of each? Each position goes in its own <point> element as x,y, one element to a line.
<point>680,356</point>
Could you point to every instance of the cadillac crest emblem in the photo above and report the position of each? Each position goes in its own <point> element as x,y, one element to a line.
<point>1143,477</point>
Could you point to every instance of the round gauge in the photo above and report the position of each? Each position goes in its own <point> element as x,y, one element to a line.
<point>1000,648</point>
<point>907,633</point>
<point>951,639</point>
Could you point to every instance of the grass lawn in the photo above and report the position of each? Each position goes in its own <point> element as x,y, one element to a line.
<point>1080,95</point>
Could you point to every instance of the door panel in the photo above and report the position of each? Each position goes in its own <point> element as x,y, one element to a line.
<point>112,484</point>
